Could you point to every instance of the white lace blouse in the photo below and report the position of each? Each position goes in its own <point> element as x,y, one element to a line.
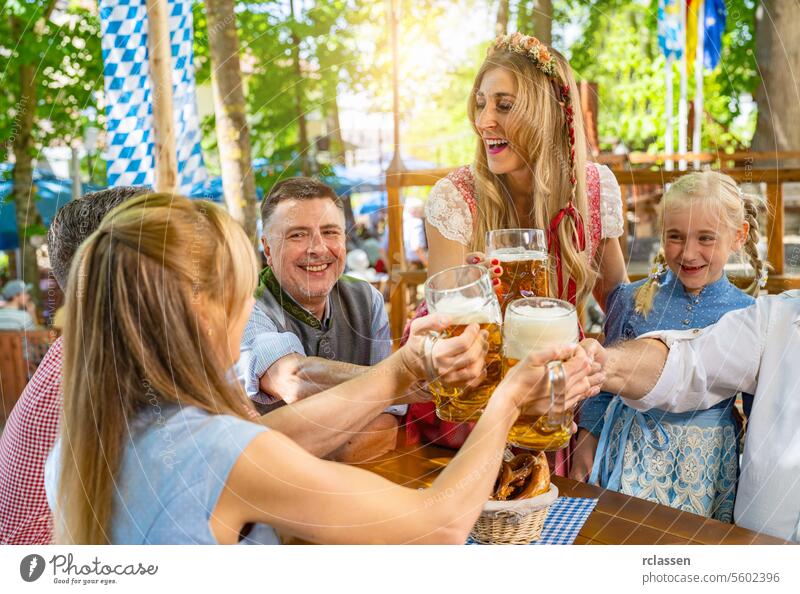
<point>448,212</point>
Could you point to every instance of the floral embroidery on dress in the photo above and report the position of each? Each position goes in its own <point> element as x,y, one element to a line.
<point>696,472</point>
<point>443,214</point>
<point>593,201</point>
<point>464,181</point>
<point>610,203</point>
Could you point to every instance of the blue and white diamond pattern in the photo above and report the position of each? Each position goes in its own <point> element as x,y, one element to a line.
<point>130,149</point>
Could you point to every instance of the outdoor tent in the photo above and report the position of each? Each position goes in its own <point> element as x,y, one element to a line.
<point>51,193</point>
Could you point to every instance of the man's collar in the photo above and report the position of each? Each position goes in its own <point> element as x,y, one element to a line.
<point>267,281</point>
<point>793,294</point>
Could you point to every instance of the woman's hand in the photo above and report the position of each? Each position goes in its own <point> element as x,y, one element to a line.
<point>457,361</point>
<point>527,382</point>
<point>492,265</point>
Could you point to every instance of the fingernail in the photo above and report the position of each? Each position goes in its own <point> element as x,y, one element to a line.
<point>495,261</point>
<point>497,270</point>
<point>495,281</point>
<point>475,259</point>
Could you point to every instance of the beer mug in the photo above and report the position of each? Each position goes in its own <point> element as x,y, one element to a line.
<point>533,324</point>
<point>523,256</point>
<point>466,296</point>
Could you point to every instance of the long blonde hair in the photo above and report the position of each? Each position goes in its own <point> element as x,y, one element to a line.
<point>541,138</point>
<point>150,295</point>
<point>716,190</point>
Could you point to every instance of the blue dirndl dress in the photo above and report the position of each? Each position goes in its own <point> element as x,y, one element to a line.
<point>688,461</point>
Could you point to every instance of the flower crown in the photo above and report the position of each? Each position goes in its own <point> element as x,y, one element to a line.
<point>531,48</point>
<point>540,56</point>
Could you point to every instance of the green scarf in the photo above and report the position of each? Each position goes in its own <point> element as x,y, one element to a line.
<point>268,282</point>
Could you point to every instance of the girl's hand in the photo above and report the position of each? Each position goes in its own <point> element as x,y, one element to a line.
<point>527,382</point>
<point>457,361</point>
<point>583,456</point>
<point>492,265</point>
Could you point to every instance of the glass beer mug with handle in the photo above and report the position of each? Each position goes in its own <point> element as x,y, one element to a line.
<point>533,324</point>
<point>523,255</point>
<point>465,295</point>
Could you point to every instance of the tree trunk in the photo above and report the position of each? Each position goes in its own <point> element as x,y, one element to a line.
<point>305,150</point>
<point>335,135</point>
<point>24,193</point>
<point>501,24</point>
<point>543,21</point>
<point>158,49</point>
<point>778,95</point>
<point>337,156</point>
<point>233,133</point>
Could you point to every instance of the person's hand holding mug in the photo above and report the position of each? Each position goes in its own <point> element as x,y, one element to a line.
<point>457,361</point>
<point>527,383</point>
<point>491,264</point>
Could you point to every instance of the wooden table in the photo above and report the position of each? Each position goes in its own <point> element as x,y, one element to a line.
<point>617,518</point>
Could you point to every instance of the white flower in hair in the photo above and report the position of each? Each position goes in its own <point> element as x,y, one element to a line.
<point>762,279</point>
<point>657,270</point>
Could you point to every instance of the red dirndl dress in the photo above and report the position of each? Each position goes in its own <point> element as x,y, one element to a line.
<point>422,424</point>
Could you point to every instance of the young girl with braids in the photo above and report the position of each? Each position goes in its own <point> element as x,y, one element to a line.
<point>688,461</point>
<point>530,170</point>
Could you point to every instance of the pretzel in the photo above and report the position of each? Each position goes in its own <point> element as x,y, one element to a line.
<point>540,479</point>
<point>501,488</point>
<point>524,476</point>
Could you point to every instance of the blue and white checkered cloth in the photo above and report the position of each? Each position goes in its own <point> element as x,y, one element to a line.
<point>564,520</point>
<point>130,150</point>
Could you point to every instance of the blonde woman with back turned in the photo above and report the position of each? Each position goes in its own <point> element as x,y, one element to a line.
<point>688,461</point>
<point>157,446</point>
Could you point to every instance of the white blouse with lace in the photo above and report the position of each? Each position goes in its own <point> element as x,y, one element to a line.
<point>448,212</point>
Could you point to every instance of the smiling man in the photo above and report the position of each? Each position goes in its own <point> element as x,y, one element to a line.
<point>312,328</point>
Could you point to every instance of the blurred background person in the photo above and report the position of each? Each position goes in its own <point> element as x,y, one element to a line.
<point>18,312</point>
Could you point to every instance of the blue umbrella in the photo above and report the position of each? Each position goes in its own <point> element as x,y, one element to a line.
<point>51,193</point>
<point>355,180</point>
<point>371,202</point>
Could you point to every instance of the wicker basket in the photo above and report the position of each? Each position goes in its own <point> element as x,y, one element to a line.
<point>513,522</point>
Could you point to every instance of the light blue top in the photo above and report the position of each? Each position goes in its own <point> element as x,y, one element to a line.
<point>12,318</point>
<point>174,468</point>
<point>262,345</point>
<point>673,309</point>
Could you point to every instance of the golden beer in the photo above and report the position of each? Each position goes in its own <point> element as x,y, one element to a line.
<point>535,433</point>
<point>466,404</point>
<point>532,325</point>
<point>525,274</point>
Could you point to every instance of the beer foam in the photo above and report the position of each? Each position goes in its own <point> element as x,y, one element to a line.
<point>517,255</point>
<point>529,328</point>
<point>466,310</point>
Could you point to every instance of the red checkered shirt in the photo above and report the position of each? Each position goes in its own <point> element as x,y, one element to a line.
<point>26,441</point>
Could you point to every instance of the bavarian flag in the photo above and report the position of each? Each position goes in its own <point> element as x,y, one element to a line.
<point>714,14</point>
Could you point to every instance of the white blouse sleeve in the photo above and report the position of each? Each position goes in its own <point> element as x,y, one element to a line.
<point>701,369</point>
<point>448,212</point>
<point>610,204</point>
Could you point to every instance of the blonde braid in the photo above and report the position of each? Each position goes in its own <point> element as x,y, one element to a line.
<point>752,204</point>
<point>645,295</point>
